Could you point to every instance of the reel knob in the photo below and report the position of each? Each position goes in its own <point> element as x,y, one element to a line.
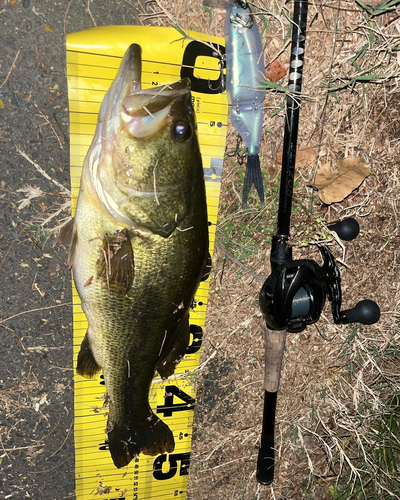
<point>347,229</point>
<point>366,312</point>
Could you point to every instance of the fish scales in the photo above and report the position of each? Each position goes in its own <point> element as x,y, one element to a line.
<point>139,245</point>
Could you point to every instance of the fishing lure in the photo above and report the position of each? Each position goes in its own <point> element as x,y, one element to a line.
<point>245,67</point>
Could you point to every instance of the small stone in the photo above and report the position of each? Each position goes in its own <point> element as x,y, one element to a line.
<point>26,3</point>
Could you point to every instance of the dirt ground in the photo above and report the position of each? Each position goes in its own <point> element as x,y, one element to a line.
<point>338,421</point>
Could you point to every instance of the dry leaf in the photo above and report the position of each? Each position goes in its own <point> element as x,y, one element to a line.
<point>88,281</point>
<point>274,71</point>
<point>304,156</point>
<point>335,186</point>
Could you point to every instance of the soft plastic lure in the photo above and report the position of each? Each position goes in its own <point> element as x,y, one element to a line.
<point>244,68</point>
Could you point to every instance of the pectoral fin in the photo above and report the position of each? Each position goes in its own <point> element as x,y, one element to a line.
<point>65,234</point>
<point>87,365</point>
<point>68,236</point>
<point>115,265</point>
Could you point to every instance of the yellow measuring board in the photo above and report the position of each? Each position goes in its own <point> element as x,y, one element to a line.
<point>93,58</point>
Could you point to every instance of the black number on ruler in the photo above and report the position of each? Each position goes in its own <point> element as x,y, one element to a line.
<point>193,50</point>
<point>104,446</point>
<point>197,333</point>
<point>169,407</point>
<point>102,380</point>
<point>172,460</point>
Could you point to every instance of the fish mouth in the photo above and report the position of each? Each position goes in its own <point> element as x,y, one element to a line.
<point>145,111</point>
<point>129,107</point>
<point>134,102</point>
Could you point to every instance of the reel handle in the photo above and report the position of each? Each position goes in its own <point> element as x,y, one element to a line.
<point>347,229</point>
<point>366,312</point>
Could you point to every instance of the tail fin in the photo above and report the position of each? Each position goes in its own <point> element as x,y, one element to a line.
<point>150,437</point>
<point>253,176</point>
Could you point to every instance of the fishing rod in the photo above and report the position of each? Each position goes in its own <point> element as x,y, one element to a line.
<point>294,294</point>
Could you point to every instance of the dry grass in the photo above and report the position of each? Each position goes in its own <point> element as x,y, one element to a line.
<point>338,416</point>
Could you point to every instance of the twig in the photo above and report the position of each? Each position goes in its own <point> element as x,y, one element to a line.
<point>2,445</point>
<point>23,447</point>
<point>34,310</point>
<point>51,126</point>
<point>33,240</point>
<point>19,340</point>
<point>66,139</point>
<point>154,182</point>
<point>231,257</point>
<point>41,171</point>
<point>69,430</point>
<point>9,388</point>
<point>132,5</point>
<point>90,13</point>
<point>166,13</point>
<point>59,195</point>
<point>12,67</point>
<point>65,18</point>
<point>49,470</point>
<point>54,367</point>
<point>64,206</point>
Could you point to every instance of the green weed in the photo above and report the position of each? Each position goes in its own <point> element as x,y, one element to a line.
<point>40,234</point>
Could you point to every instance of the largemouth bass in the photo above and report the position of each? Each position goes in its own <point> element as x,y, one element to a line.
<point>139,245</point>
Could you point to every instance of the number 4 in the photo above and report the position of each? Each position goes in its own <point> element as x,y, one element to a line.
<point>169,407</point>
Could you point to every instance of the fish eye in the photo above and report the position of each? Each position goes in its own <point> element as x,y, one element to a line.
<point>182,131</point>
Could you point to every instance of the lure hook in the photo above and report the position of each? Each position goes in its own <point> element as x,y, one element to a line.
<point>221,87</point>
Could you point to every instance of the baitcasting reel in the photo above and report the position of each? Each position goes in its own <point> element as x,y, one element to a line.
<point>294,294</point>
